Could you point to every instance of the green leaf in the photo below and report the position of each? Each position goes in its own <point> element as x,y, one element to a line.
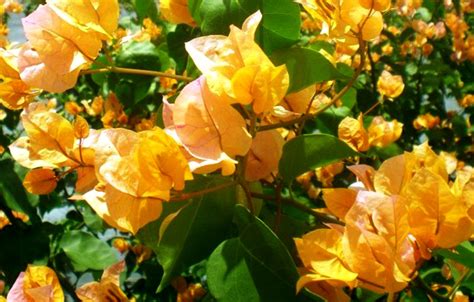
<point>349,99</point>
<point>311,151</point>
<point>280,27</point>
<point>328,121</point>
<point>144,55</point>
<point>146,8</point>
<point>20,247</point>
<point>255,266</point>
<point>464,255</point>
<point>13,193</point>
<point>195,232</point>
<point>175,41</point>
<point>86,251</point>
<point>305,67</point>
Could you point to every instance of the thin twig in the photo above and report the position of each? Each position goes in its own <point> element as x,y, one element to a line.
<point>137,72</point>
<point>186,196</point>
<point>299,206</point>
<point>242,168</point>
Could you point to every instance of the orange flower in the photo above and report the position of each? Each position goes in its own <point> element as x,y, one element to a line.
<point>426,121</point>
<point>383,133</point>
<point>467,100</point>
<point>37,283</point>
<point>14,93</point>
<point>107,289</point>
<point>352,132</point>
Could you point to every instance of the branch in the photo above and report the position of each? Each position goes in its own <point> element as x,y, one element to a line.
<point>138,72</point>
<point>186,196</point>
<point>299,206</point>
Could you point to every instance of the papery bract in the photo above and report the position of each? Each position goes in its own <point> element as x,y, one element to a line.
<point>237,69</point>
<point>40,181</point>
<point>210,130</point>
<point>321,252</point>
<point>176,11</point>
<point>438,217</point>
<point>64,37</point>
<point>108,288</point>
<point>389,85</point>
<point>14,93</point>
<point>136,172</point>
<point>37,283</point>
<point>264,155</point>
<point>383,133</point>
<point>352,131</point>
<point>49,141</point>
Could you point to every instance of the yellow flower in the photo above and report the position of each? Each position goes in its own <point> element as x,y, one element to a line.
<point>176,11</point>
<point>353,133</point>
<point>383,133</point>
<point>345,20</point>
<point>136,172</point>
<point>14,93</point>
<point>327,173</point>
<point>237,69</point>
<point>390,86</point>
<point>426,121</point>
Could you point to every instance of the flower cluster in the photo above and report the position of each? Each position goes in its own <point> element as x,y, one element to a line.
<point>394,217</point>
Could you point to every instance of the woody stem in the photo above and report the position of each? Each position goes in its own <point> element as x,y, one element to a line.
<point>288,201</point>
<point>137,72</point>
<point>186,196</point>
<point>243,163</point>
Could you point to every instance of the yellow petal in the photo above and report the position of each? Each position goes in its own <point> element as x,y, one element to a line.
<point>237,69</point>
<point>437,217</point>
<point>339,201</point>
<point>81,127</point>
<point>176,11</point>
<point>264,155</point>
<point>321,253</point>
<point>206,126</point>
<point>49,142</point>
<point>100,16</point>
<point>107,289</point>
<point>123,211</point>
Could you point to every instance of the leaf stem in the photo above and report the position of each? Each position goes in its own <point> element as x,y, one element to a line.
<point>152,73</point>
<point>186,196</point>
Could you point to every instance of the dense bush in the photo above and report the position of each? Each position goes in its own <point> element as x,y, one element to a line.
<point>237,150</point>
